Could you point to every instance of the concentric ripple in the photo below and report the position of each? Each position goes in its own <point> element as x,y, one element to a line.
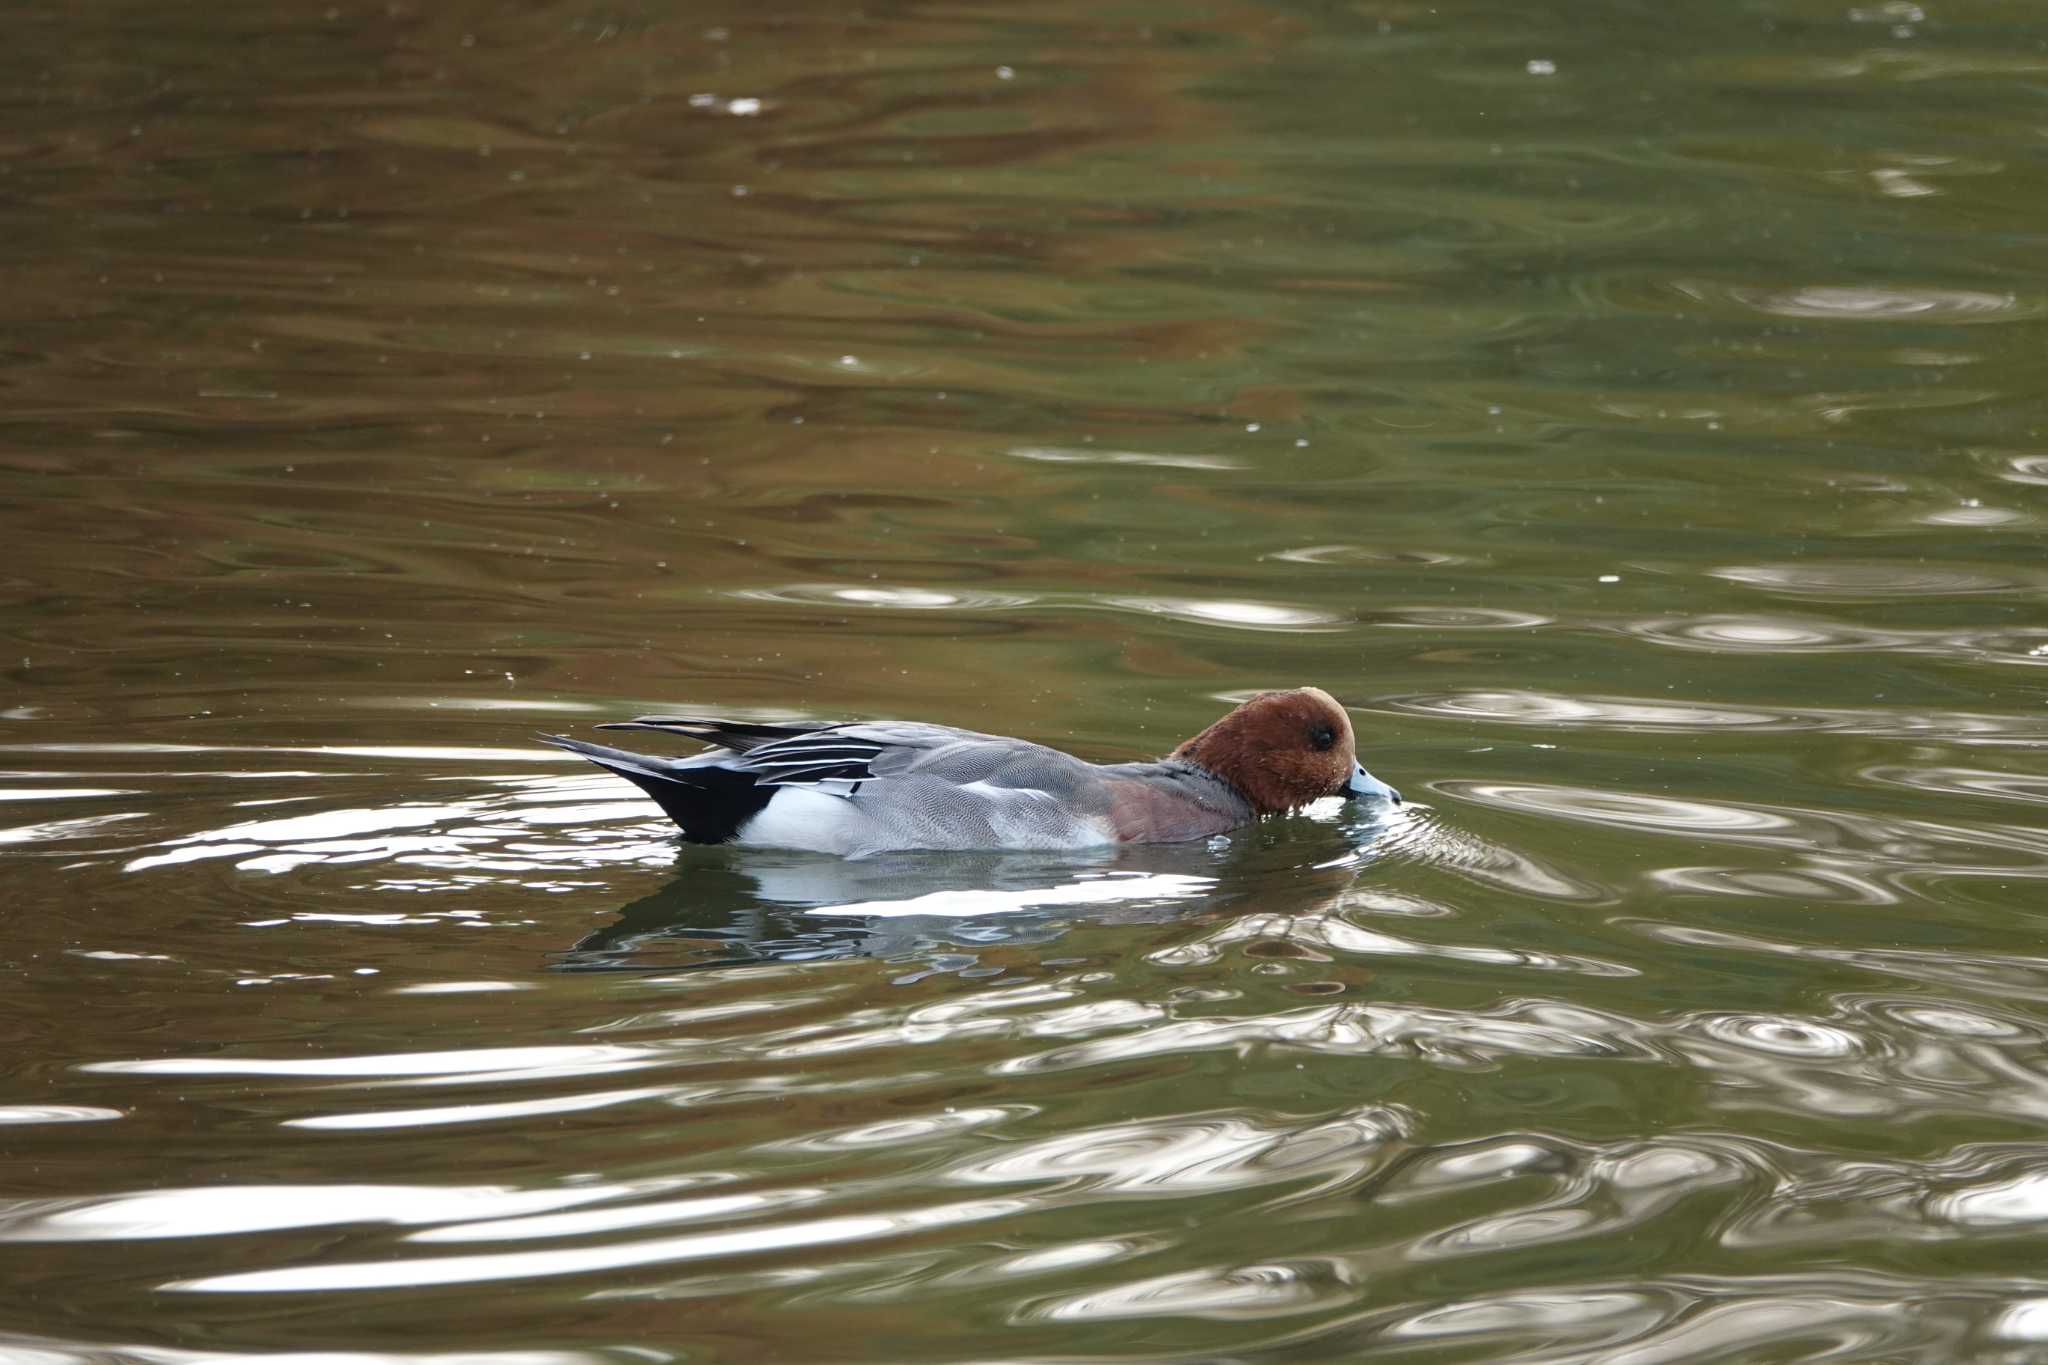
<point>1870,303</point>
<point>1864,582</point>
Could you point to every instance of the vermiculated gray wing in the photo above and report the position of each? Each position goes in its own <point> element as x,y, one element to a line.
<point>917,785</point>
<point>875,751</point>
<point>869,786</point>
<point>964,757</point>
<point>931,786</point>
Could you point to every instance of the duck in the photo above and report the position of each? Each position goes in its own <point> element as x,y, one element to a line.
<point>857,788</point>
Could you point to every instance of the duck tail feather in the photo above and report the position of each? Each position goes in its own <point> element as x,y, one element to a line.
<point>708,803</point>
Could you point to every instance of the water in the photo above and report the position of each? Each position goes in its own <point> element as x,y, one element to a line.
<point>1632,414</point>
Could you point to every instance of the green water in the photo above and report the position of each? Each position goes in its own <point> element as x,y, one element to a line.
<point>1631,412</point>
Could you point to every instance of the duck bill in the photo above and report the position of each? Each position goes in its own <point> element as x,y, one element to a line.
<point>1364,784</point>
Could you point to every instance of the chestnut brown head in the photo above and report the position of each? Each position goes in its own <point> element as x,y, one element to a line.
<point>1282,750</point>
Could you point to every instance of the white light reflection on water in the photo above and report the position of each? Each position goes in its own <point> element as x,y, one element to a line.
<point>1139,458</point>
<point>2021,975</point>
<point>1368,554</point>
<point>497,1112</point>
<point>1726,1318</point>
<point>1768,634</point>
<point>1550,710</point>
<point>1863,302</point>
<point>1459,618</point>
<point>56,1113</point>
<point>462,987</point>
<point>1867,582</point>
<point>1586,1318</point>
<point>517,1265</point>
<point>428,752</point>
<point>1569,1195</point>
<point>1335,932</point>
<point>2031,788</point>
<point>1752,1065</point>
<point>1454,1038</point>
<point>588,1222</point>
<point>1650,715</point>
<point>511,825</point>
<point>1847,856</point>
<point>1201,1152</point>
<point>1240,614</point>
<point>1239,1293</point>
<point>886,596</point>
<point>31,1350</point>
<point>58,831</point>
<point>1629,809</point>
<point>1728,632</point>
<point>60,793</point>
<point>1109,889</point>
<point>222,1209</point>
<point>1244,615</point>
<point>2024,1321</point>
<point>556,1060</point>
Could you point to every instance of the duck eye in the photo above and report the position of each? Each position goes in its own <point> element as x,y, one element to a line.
<point>1322,737</point>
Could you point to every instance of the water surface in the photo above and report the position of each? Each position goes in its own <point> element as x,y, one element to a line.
<point>1632,414</point>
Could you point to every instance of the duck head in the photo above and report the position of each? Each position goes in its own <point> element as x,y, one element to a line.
<point>1283,750</point>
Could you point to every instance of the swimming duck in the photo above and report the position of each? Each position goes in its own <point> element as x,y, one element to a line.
<point>864,787</point>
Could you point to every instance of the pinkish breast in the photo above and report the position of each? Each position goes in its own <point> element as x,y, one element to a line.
<point>1141,813</point>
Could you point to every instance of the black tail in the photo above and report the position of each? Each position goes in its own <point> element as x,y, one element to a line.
<point>709,804</point>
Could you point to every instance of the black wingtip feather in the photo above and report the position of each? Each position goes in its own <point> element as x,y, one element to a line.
<point>737,735</point>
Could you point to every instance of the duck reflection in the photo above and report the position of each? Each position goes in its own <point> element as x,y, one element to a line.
<point>728,907</point>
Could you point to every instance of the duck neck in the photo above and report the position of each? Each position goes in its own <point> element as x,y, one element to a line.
<point>1217,754</point>
<point>1210,787</point>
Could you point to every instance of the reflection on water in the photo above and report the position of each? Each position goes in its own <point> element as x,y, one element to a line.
<point>794,907</point>
<point>1655,475</point>
<point>1880,582</point>
<point>863,1071</point>
<point>1865,303</point>
<point>723,906</point>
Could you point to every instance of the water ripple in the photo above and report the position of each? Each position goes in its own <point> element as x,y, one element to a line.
<point>1552,710</point>
<point>1446,1037</point>
<point>57,1113</point>
<point>589,358</point>
<point>898,598</point>
<point>1864,303</point>
<point>1239,1293</point>
<point>520,1265</point>
<point>537,1063</point>
<point>1145,459</point>
<point>1730,633</point>
<point>2026,469</point>
<point>224,1209</point>
<point>1458,618</point>
<point>1239,614</point>
<point>1225,1151</point>
<point>1368,554</point>
<point>1724,1318</point>
<point>1651,715</point>
<point>1866,582</point>
<point>2031,788</point>
<point>1631,810</point>
<point>1336,933</point>
<point>1781,1036</point>
<point>1766,635</point>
